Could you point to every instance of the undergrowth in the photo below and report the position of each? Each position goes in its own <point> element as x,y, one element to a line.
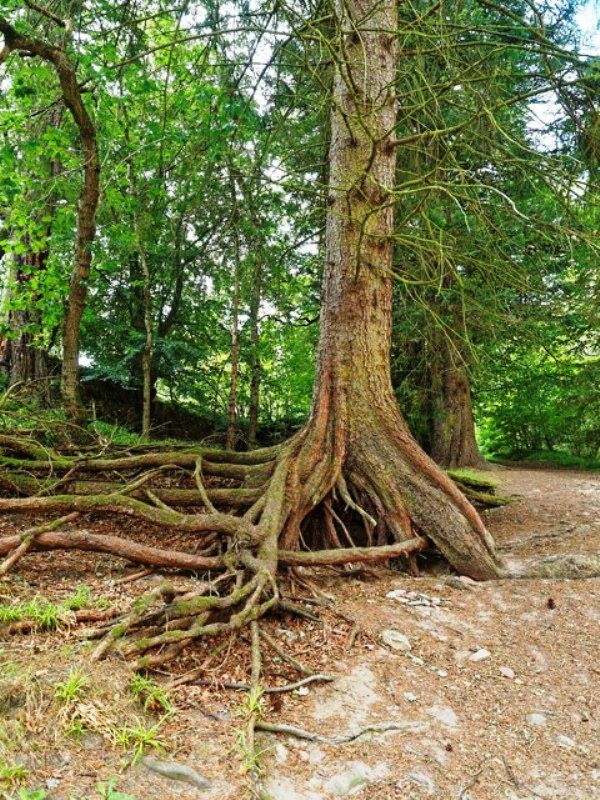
<point>43,613</point>
<point>554,458</point>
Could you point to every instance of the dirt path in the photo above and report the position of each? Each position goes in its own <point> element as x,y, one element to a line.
<point>496,698</point>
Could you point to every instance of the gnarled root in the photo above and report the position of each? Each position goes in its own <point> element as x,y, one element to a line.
<point>334,494</point>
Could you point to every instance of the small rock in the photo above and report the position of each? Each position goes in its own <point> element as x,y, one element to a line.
<point>396,640</point>
<point>281,753</point>
<point>176,772</point>
<point>357,775</point>
<point>507,672</point>
<point>396,594</point>
<point>424,780</point>
<point>410,697</point>
<point>536,719</point>
<point>460,582</point>
<point>442,673</point>
<point>52,783</point>
<point>480,655</point>
<point>566,742</point>
<point>444,714</point>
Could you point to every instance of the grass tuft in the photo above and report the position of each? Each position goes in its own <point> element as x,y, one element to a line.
<point>72,689</point>
<point>140,738</point>
<point>149,694</point>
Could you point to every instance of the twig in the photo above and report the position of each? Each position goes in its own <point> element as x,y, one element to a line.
<point>135,577</point>
<point>46,13</point>
<point>298,665</point>
<point>245,687</point>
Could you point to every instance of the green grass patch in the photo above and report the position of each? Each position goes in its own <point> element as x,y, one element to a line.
<point>12,775</point>
<point>67,692</point>
<point>43,613</point>
<point>554,458</point>
<point>149,694</point>
<point>140,738</point>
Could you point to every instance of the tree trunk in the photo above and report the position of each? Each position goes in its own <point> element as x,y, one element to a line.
<point>231,439</point>
<point>356,442</point>
<point>453,442</point>
<point>254,345</point>
<point>25,363</point>
<point>86,213</point>
<point>147,373</point>
<point>88,202</point>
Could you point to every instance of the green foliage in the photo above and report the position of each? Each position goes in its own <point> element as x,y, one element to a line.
<point>108,791</point>
<point>12,774</point>
<point>151,696</point>
<point>72,689</point>
<point>140,737</point>
<point>44,613</point>
<point>32,794</point>
<point>80,599</point>
<point>41,612</point>
<point>214,173</point>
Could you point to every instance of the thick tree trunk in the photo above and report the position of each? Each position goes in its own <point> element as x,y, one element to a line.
<point>453,442</point>
<point>356,441</point>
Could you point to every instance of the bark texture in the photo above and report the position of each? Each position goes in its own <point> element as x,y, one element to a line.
<point>453,441</point>
<point>24,362</point>
<point>356,433</point>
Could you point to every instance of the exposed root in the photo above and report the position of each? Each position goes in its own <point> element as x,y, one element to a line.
<point>27,540</point>
<point>352,736</point>
<point>292,505</point>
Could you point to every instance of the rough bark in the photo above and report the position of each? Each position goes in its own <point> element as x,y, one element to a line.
<point>24,362</point>
<point>254,353</point>
<point>231,435</point>
<point>453,441</point>
<point>356,429</point>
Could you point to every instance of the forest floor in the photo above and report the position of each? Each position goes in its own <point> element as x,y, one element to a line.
<point>497,696</point>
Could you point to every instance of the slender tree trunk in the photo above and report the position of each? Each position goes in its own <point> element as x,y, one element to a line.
<point>255,366</point>
<point>88,203</point>
<point>147,372</point>
<point>453,441</point>
<point>231,439</point>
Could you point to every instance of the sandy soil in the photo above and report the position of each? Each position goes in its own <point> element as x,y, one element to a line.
<point>497,696</point>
